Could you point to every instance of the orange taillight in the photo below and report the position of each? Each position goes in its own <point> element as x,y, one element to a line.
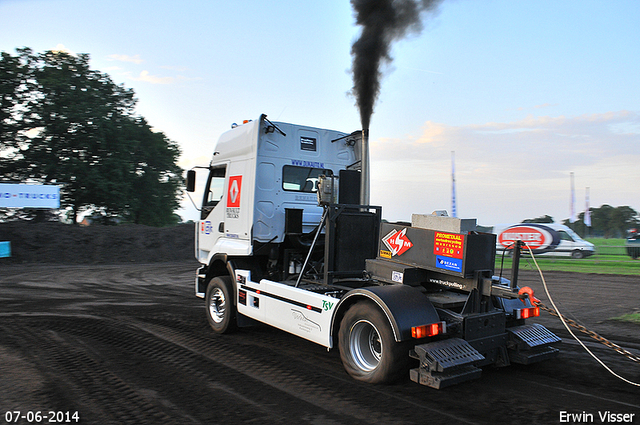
<point>525,313</point>
<point>425,331</point>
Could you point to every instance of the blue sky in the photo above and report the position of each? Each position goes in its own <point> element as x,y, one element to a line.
<point>524,92</point>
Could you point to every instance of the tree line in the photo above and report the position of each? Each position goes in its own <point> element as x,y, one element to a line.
<point>62,122</point>
<point>606,221</point>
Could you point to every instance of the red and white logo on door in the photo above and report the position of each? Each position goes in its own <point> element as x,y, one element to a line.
<point>233,196</point>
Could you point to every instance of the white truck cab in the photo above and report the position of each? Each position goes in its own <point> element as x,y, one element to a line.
<point>259,170</point>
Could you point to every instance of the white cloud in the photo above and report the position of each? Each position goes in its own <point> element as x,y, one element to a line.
<point>60,48</point>
<point>126,58</point>
<point>175,68</point>
<point>147,77</point>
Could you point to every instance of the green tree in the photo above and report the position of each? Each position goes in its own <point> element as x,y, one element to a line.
<point>622,219</point>
<point>600,220</point>
<point>16,97</point>
<point>70,125</point>
<point>543,219</point>
<point>156,177</point>
<point>607,221</point>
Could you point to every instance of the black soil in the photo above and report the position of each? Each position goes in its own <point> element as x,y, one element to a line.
<point>58,243</point>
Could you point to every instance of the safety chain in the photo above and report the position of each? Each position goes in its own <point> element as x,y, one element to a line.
<point>592,334</point>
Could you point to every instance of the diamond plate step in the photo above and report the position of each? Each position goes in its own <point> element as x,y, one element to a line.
<point>532,335</point>
<point>446,362</point>
<point>531,344</point>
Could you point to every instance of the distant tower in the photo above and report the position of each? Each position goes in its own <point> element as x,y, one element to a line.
<point>454,212</point>
<point>572,207</point>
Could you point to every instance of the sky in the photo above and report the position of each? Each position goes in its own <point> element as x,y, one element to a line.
<point>524,92</point>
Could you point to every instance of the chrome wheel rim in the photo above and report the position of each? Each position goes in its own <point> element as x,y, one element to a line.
<point>217,305</point>
<point>365,345</point>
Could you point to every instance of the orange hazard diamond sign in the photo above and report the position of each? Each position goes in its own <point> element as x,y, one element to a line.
<point>397,242</point>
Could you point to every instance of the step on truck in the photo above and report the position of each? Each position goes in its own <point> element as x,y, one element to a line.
<point>284,240</point>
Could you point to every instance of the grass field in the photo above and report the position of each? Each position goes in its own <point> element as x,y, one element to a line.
<point>610,258</point>
<point>631,317</point>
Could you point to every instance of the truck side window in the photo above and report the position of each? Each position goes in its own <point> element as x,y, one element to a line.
<point>214,190</point>
<point>302,179</point>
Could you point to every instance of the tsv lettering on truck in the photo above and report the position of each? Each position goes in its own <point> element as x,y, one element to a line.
<point>327,305</point>
<point>312,164</point>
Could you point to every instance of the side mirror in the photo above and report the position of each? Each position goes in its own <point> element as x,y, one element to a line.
<point>191,181</point>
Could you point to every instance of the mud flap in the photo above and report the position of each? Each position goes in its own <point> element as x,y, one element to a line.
<point>444,363</point>
<point>531,343</point>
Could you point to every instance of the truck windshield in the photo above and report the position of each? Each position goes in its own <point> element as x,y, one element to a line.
<point>302,179</point>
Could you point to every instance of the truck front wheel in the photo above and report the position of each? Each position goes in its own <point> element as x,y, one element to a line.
<point>368,349</point>
<point>577,254</point>
<point>221,313</point>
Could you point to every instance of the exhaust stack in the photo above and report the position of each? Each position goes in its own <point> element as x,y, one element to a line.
<point>364,177</point>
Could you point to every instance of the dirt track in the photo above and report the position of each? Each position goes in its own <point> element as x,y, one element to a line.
<point>129,344</point>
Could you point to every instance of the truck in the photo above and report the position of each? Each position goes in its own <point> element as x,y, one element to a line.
<point>545,239</point>
<point>284,239</point>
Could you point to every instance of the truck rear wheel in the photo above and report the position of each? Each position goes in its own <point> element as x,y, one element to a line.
<point>221,313</point>
<point>368,349</point>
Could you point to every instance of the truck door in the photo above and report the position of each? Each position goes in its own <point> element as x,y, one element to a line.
<point>567,243</point>
<point>211,225</point>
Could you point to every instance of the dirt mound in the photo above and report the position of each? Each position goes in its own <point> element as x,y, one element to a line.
<point>97,244</point>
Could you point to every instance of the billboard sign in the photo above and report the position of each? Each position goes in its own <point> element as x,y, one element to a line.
<point>538,237</point>
<point>15,195</point>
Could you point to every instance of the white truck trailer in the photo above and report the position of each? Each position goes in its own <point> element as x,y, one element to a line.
<point>284,240</point>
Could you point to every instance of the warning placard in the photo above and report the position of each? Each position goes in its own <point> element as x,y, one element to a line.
<point>448,244</point>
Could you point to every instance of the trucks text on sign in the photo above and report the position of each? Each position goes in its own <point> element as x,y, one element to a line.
<point>13,195</point>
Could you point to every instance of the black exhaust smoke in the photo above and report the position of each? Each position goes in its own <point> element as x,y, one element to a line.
<point>382,22</point>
